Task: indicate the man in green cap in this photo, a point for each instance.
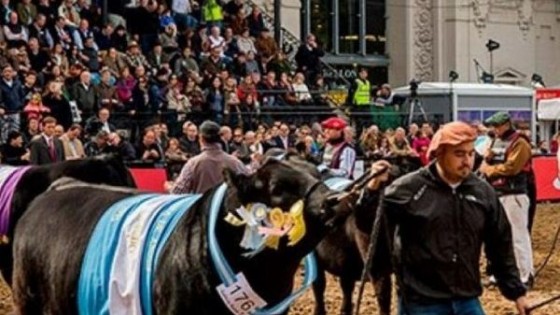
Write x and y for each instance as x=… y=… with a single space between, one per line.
x=507 y=166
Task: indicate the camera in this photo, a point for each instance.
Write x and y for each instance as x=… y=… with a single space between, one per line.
x=414 y=87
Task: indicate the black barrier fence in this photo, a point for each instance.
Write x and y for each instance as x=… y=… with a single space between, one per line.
x=360 y=117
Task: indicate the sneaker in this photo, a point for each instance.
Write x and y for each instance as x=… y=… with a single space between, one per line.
x=529 y=283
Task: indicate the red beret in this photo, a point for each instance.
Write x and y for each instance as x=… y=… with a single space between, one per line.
x=334 y=123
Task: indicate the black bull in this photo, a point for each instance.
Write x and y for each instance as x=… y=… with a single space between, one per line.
x=343 y=250
x=52 y=236
x=106 y=169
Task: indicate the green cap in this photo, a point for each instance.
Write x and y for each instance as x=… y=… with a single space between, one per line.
x=497 y=119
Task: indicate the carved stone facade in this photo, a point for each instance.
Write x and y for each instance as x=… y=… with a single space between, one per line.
x=423 y=40
x=482 y=10
x=428 y=38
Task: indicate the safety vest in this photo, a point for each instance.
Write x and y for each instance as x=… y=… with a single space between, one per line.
x=362 y=94
x=516 y=184
x=212 y=12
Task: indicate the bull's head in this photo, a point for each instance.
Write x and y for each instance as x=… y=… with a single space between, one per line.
x=282 y=205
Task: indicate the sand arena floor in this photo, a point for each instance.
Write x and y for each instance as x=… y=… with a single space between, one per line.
x=546 y=285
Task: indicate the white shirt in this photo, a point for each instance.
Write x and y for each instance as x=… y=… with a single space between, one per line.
x=106 y=127
x=48 y=140
x=181 y=6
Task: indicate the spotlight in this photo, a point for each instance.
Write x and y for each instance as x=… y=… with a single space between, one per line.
x=487 y=77
x=537 y=80
x=453 y=76
x=492 y=45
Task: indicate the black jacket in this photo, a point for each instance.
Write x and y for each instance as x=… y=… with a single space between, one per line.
x=439 y=233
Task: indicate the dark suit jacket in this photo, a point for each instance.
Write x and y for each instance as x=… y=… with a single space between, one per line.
x=280 y=144
x=40 y=151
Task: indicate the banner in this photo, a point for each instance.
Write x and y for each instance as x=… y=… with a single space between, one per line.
x=546 y=173
x=545 y=94
x=150 y=179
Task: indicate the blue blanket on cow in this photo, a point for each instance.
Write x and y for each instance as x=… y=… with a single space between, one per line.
x=117 y=272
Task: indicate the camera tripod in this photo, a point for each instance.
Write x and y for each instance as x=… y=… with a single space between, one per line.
x=415 y=103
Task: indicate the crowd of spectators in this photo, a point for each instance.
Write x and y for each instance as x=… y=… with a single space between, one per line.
x=150 y=63
x=141 y=82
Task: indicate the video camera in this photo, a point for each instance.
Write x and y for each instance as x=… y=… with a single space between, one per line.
x=414 y=87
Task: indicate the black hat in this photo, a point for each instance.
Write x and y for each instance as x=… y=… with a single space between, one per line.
x=210 y=131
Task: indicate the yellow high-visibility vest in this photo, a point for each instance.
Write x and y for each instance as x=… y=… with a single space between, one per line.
x=362 y=94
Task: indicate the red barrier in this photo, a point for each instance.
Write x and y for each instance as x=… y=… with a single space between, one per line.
x=546 y=172
x=150 y=179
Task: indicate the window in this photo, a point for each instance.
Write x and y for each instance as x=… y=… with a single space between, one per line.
x=349 y=24
x=321 y=26
x=375 y=27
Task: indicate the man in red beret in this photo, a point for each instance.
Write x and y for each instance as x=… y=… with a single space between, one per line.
x=338 y=156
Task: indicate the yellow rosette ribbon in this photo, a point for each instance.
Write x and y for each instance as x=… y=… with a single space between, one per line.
x=277 y=219
x=297 y=232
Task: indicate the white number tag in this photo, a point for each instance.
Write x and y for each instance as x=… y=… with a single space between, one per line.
x=239 y=297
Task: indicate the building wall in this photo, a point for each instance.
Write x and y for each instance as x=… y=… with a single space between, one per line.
x=428 y=38
x=291 y=9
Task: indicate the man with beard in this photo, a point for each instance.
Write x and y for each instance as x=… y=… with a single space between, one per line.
x=338 y=156
x=440 y=216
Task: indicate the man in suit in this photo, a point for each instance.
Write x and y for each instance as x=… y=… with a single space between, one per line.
x=46 y=148
x=283 y=140
x=73 y=146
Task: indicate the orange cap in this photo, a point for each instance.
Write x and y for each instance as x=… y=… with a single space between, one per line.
x=453 y=133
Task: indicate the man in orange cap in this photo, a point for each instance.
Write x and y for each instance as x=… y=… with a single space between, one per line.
x=442 y=215
x=338 y=156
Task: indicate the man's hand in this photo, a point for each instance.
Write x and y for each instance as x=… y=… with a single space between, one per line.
x=257 y=157
x=483 y=168
x=375 y=168
x=489 y=154
x=2 y=111
x=522 y=306
x=168 y=186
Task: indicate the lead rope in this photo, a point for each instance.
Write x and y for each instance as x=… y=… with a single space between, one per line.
x=371 y=250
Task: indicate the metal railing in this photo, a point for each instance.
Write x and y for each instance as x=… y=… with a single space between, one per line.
x=291 y=43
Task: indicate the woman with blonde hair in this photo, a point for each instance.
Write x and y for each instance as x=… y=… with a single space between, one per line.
x=301 y=90
x=35 y=108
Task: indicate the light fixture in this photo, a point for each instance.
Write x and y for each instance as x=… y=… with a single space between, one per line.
x=453 y=76
x=537 y=80
x=492 y=45
x=487 y=77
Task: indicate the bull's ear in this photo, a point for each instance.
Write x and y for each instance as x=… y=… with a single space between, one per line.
x=240 y=182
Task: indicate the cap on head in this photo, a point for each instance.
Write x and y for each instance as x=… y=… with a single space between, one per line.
x=210 y=131
x=497 y=119
x=334 y=123
x=453 y=133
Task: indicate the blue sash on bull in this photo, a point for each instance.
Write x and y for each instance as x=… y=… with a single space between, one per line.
x=118 y=267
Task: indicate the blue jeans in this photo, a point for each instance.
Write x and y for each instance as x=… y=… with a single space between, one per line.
x=453 y=307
